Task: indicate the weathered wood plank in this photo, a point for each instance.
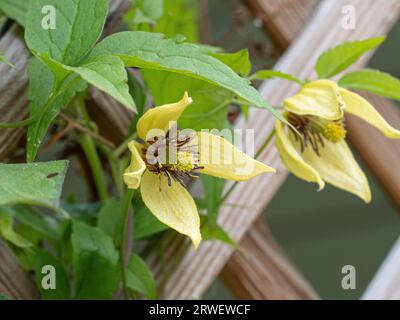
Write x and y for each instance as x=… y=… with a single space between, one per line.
x=262 y=271
x=283 y=20
x=386 y=283
x=14 y=282
x=197 y=270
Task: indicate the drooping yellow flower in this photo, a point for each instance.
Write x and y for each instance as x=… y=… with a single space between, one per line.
x=317 y=152
x=167 y=156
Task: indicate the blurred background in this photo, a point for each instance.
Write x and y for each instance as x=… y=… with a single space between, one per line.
x=320 y=233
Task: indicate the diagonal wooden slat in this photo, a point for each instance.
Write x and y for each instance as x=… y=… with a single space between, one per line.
x=192 y=276
x=283 y=20
x=260 y=271
x=386 y=283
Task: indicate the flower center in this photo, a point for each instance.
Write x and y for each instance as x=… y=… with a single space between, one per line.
x=313 y=131
x=334 y=132
x=173 y=156
x=185 y=162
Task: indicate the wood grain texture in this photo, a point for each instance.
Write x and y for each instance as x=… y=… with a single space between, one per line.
x=262 y=271
x=283 y=20
x=14 y=282
x=386 y=283
x=193 y=275
x=14 y=106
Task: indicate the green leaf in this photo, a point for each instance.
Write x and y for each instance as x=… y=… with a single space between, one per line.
x=270 y=74
x=45 y=225
x=79 y=24
x=62 y=291
x=217 y=233
x=138 y=93
x=238 y=61
x=7 y=231
x=210 y=102
x=139 y=278
x=110 y=219
x=15 y=9
x=147 y=11
x=151 y=51
x=95 y=263
x=213 y=189
x=33 y=183
x=180 y=17
x=3 y=297
x=341 y=57
x=108 y=74
x=374 y=81
x=146 y=224
x=45 y=94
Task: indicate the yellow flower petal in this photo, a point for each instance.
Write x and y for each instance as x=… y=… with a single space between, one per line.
x=159 y=118
x=172 y=205
x=319 y=98
x=337 y=166
x=134 y=172
x=221 y=159
x=292 y=159
x=360 y=107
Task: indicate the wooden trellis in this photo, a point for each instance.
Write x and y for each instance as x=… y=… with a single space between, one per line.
x=262 y=272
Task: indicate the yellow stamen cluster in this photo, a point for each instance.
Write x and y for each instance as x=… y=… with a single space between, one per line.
x=334 y=132
x=185 y=162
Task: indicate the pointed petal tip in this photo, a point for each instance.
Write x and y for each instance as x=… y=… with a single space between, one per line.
x=196 y=240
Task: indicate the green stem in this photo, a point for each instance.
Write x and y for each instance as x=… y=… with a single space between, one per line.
x=91 y=154
x=124 y=256
x=116 y=168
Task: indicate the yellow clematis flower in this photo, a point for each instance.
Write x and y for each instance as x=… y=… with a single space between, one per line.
x=314 y=149
x=167 y=156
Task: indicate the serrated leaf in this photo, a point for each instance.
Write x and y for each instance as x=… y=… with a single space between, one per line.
x=238 y=61
x=33 y=183
x=270 y=74
x=15 y=9
x=341 y=57
x=210 y=102
x=79 y=25
x=139 y=278
x=95 y=263
x=7 y=231
x=374 y=81
x=151 y=51
x=43 y=85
